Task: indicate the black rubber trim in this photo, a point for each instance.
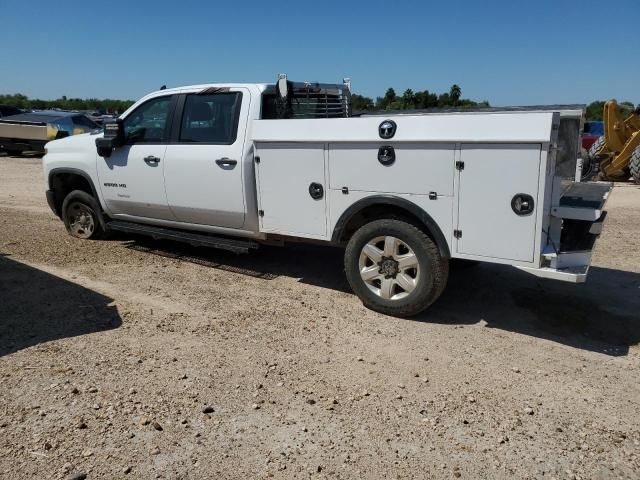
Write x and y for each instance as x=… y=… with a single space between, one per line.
x=51 y=201
x=383 y=200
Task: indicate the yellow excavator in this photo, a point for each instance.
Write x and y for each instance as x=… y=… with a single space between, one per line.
x=616 y=154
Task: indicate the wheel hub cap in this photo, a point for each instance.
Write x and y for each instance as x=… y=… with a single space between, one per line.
x=389 y=267
x=81 y=223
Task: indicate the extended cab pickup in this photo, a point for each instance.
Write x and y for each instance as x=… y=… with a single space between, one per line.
x=233 y=166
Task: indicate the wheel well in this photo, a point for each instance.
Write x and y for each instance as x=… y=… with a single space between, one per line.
x=382 y=210
x=65 y=182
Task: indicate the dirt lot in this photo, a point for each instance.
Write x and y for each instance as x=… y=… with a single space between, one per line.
x=110 y=351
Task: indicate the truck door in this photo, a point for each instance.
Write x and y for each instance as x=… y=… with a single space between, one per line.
x=131 y=179
x=203 y=165
x=498 y=199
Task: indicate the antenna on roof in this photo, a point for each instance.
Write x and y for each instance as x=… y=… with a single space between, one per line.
x=163 y=87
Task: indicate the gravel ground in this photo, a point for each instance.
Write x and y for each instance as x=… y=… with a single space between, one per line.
x=133 y=359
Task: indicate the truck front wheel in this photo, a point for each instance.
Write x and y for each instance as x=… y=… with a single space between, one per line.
x=80 y=213
x=395 y=268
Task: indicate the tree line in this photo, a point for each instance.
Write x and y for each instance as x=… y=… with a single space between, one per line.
x=411 y=100
x=107 y=105
x=595 y=109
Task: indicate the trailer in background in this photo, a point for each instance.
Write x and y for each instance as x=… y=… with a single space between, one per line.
x=31 y=131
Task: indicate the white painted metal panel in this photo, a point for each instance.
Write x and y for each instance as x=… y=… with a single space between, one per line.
x=419 y=168
x=521 y=127
x=284 y=174
x=492 y=176
x=132 y=186
x=202 y=191
x=440 y=210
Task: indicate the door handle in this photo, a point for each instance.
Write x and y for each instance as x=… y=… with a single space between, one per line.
x=522 y=204
x=151 y=159
x=226 y=162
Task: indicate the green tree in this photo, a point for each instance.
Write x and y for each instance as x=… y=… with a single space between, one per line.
x=107 y=105
x=455 y=93
x=359 y=103
x=388 y=100
x=594 y=110
x=408 y=100
x=444 y=100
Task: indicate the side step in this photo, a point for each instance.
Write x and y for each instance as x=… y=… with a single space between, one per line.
x=194 y=239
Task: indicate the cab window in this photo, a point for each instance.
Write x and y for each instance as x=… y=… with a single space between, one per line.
x=211 y=119
x=147 y=123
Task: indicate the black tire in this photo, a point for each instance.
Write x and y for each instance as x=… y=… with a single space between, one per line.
x=81 y=216
x=634 y=165
x=591 y=163
x=429 y=282
x=596 y=150
x=13 y=153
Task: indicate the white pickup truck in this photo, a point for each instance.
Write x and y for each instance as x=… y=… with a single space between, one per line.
x=233 y=166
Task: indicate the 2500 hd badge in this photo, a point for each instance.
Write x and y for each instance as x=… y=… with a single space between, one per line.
x=117 y=185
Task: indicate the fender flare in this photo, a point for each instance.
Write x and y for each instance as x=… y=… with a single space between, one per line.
x=383 y=200
x=87 y=177
x=75 y=171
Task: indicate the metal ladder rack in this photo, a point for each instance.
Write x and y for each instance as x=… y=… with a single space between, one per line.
x=287 y=99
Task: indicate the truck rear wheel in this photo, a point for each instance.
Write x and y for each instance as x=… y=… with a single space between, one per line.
x=81 y=215
x=634 y=165
x=395 y=268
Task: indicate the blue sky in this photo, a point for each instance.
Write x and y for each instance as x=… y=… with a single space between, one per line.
x=508 y=52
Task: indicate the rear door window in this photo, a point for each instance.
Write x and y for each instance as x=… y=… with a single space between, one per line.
x=211 y=119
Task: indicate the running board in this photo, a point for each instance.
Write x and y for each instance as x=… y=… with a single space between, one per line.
x=194 y=239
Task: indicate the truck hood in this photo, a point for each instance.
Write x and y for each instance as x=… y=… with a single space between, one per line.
x=74 y=143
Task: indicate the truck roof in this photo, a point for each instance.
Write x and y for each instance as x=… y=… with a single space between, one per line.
x=261 y=86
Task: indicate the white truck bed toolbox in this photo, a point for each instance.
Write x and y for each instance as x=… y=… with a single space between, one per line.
x=581 y=213
x=583 y=201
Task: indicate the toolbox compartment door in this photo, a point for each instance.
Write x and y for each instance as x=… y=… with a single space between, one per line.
x=416 y=168
x=292 y=189
x=491 y=179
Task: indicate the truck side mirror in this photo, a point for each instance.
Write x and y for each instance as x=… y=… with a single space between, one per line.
x=113 y=138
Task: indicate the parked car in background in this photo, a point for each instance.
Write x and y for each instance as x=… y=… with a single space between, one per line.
x=100 y=118
x=591 y=133
x=31 y=131
x=8 y=110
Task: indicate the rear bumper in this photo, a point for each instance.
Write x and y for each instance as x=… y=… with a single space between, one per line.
x=580 y=214
x=569 y=274
x=51 y=201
